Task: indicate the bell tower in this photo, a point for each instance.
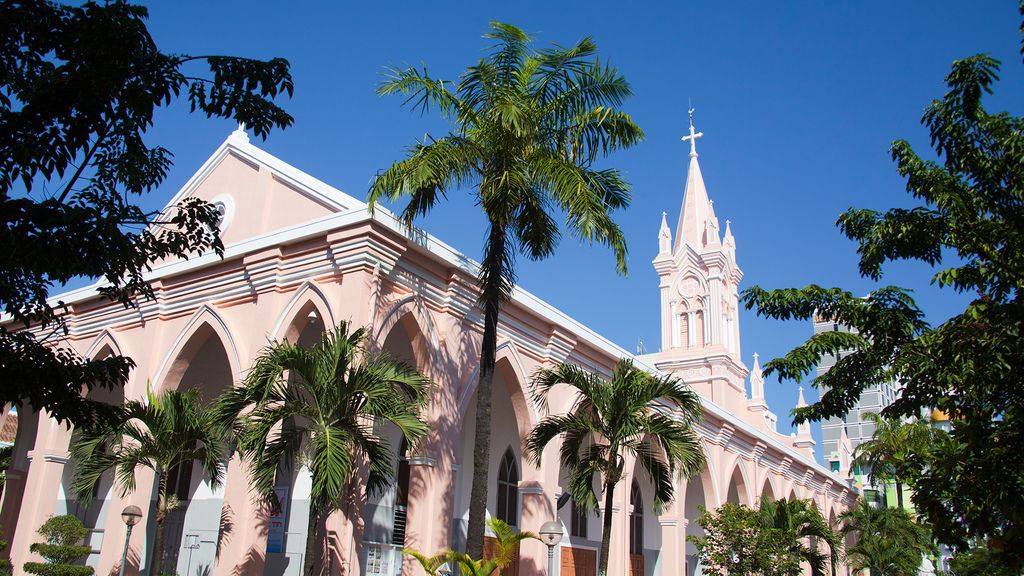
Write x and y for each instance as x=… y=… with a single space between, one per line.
x=699 y=285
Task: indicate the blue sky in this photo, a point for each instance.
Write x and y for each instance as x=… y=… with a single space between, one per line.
x=799 y=103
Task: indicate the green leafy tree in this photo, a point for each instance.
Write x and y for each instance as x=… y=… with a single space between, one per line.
x=888 y=540
x=650 y=418
x=972 y=207
x=506 y=547
x=6 y=453
x=79 y=87
x=527 y=126
x=328 y=401
x=5 y=564
x=62 y=548
x=801 y=527
x=977 y=562
x=896 y=450
x=169 y=430
x=738 y=542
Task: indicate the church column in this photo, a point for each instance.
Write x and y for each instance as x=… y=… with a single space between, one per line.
x=242 y=549
x=715 y=308
x=691 y=332
x=115 y=531
x=675 y=324
x=673 y=542
x=666 y=319
x=45 y=470
x=684 y=523
x=536 y=510
x=429 y=495
x=707 y=322
x=618 y=555
x=46 y=462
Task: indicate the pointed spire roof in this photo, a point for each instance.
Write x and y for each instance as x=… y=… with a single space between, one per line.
x=664 y=236
x=756 y=380
x=803 y=430
x=696 y=209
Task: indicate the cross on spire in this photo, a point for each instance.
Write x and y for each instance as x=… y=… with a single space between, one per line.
x=692 y=138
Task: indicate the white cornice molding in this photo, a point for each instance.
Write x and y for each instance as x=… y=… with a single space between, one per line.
x=356 y=214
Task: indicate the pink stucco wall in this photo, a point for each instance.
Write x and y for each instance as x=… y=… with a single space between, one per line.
x=299 y=251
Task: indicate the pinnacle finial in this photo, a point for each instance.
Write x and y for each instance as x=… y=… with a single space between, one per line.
x=692 y=138
x=240 y=134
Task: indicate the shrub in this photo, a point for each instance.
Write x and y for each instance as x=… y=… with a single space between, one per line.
x=61 y=549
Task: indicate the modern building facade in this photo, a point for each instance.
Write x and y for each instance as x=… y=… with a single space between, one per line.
x=301 y=256
x=840 y=437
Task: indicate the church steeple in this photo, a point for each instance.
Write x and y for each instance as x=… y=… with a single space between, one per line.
x=696 y=213
x=699 y=283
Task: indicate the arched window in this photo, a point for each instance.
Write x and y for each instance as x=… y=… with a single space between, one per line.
x=636 y=520
x=508 y=490
x=684 y=329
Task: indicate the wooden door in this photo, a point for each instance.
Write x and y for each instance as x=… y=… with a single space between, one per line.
x=491 y=550
x=578 y=562
x=636 y=565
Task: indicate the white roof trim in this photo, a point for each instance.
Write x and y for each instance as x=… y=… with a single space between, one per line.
x=355 y=212
x=290 y=175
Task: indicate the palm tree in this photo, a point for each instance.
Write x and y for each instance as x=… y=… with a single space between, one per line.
x=506 y=546
x=646 y=416
x=800 y=519
x=329 y=399
x=526 y=128
x=889 y=541
x=893 y=449
x=169 y=431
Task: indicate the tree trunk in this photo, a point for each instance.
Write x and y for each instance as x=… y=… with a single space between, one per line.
x=156 y=563
x=606 y=529
x=899 y=495
x=494 y=263
x=309 y=562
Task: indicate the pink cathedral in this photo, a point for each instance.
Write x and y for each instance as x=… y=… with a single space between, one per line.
x=301 y=256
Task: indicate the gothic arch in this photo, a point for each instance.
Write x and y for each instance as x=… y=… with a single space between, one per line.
x=507 y=489
x=185 y=346
x=105 y=338
x=411 y=309
x=306 y=299
x=94 y=517
x=102 y=346
x=768 y=488
x=738 y=479
x=709 y=474
x=508 y=362
x=416 y=328
x=204 y=357
x=701 y=490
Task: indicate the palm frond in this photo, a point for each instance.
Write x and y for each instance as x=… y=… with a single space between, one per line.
x=326 y=405
x=171 y=428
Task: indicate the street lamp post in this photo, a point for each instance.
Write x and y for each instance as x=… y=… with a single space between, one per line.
x=131 y=515
x=551 y=534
